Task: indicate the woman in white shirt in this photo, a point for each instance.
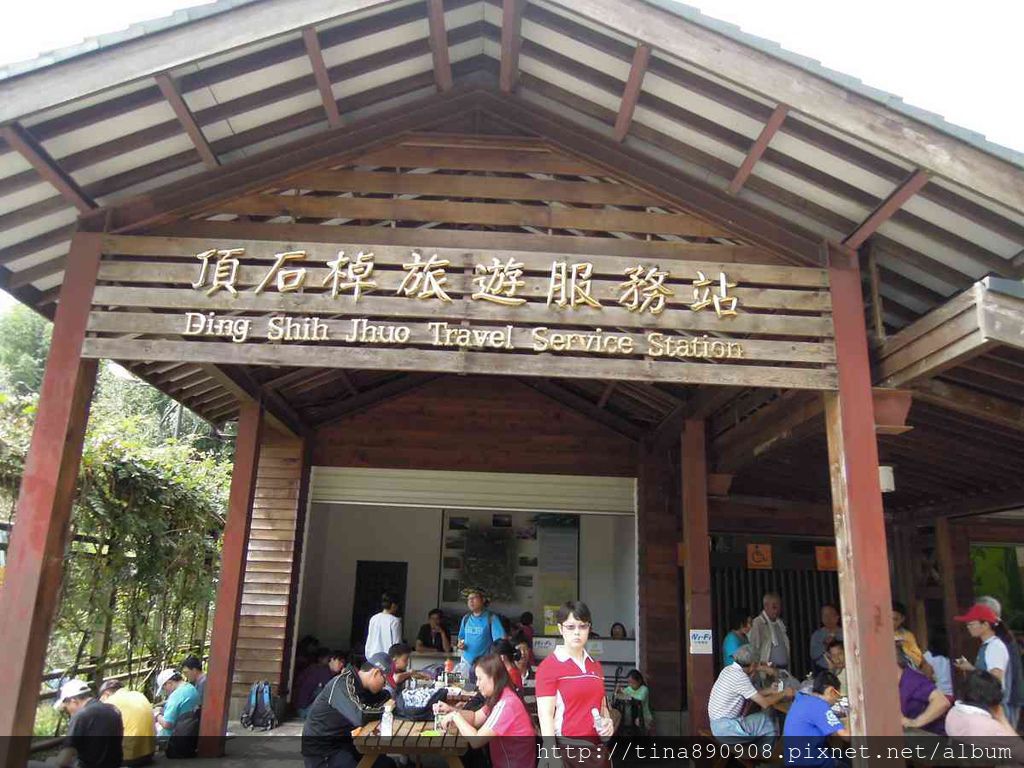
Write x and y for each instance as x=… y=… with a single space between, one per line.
x=385 y=629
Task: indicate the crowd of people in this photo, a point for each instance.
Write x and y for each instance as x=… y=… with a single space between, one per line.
x=567 y=687
x=757 y=697
x=115 y=726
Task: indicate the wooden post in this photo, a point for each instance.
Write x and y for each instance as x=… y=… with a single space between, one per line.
x=857 y=509
x=217 y=697
x=28 y=599
x=953 y=551
x=700 y=668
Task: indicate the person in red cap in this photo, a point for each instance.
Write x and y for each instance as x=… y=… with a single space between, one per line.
x=993 y=655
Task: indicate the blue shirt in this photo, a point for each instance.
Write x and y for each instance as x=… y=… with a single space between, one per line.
x=473 y=631
x=729 y=646
x=182 y=700
x=809 y=723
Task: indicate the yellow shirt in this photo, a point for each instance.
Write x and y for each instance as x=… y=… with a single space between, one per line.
x=137 y=716
x=910 y=647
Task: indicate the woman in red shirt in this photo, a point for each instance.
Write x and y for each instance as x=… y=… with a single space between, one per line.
x=503 y=715
x=570 y=684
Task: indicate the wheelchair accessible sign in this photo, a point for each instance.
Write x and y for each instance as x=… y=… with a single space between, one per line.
x=700 y=642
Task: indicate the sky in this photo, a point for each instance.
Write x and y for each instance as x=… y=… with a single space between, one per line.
x=959 y=60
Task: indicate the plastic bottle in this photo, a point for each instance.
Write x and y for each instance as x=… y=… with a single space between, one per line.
x=387 y=723
x=598 y=720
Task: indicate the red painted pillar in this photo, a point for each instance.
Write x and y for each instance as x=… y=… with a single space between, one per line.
x=28 y=599
x=217 y=696
x=700 y=668
x=857 y=510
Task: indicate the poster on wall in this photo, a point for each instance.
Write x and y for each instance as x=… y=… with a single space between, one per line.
x=759 y=556
x=701 y=642
x=826 y=558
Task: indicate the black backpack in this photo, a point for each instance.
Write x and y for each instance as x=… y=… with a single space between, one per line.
x=184 y=739
x=259 y=713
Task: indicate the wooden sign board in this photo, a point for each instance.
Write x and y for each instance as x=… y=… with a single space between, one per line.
x=759 y=557
x=367 y=306
x=826 y=558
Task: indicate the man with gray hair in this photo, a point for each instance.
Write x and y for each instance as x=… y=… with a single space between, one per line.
x=992 y=603
x=768 y=635
x=731 y=691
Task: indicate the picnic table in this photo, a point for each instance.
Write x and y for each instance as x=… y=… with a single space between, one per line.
x=407 y=739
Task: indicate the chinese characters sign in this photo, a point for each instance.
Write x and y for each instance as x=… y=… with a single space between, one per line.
x=391 y=307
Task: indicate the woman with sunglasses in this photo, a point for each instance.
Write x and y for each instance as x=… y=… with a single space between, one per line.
x=570 y=686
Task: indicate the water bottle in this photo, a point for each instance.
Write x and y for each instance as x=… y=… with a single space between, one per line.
x=387 y=723
x=598 y=720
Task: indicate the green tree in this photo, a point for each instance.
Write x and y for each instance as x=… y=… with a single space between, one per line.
x=24 y=343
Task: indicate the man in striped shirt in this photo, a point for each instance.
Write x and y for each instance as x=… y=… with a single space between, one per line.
x=731 y=692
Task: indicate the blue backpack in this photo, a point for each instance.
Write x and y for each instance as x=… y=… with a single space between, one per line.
x=259 y=713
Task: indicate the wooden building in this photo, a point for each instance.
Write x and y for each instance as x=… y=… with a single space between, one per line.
x=601 y=239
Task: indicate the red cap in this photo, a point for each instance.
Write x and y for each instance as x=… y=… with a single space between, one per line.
x=979 y=613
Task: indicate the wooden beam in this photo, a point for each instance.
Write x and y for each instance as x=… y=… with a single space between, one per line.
x=971 y=403
x=371 y=397
x=631 y=93
x=29 y=598
x=187 y=120
x=700 y=668
x=886 y=209
x=22 y=142
x=791 y=417
x=857 y=508
x=970 y=506
x=439 y=45
x=607 y=393
x=240 y=385
x=511 y=41
x=323 y=80
x=877 y=310
x=758 y=148
x=582 y=405
x=953 y=555
x=235 y=543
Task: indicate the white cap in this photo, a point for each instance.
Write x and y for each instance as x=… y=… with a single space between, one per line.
x=164 y=676
x=69 y=690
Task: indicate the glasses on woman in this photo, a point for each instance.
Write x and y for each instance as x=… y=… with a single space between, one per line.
x=582 y=627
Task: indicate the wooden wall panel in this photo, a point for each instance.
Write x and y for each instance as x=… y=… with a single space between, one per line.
x=261 y=650
x=475 y=424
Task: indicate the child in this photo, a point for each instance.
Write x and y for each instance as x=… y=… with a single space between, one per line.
x=636 y=688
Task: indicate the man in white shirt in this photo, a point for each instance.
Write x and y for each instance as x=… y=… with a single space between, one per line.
x=731 y=692
x=768 y=636
x=385 y=628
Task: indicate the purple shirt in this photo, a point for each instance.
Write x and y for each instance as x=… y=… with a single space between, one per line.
x=915 y=689
x=313 y=678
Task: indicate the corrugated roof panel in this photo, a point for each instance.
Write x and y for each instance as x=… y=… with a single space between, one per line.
x=903 y=299
x=257 y=117
x=38 y=257
x=379 y=41
x=938 y=251
x=38 y=227
x=797 y=217
x=232 y=55
x=694 y=138
x=909 y=271
x=12 y=163
x=353 y=17
x=576 y=50
x=701 y=105
x=284 y=138
x=51 y=281
x=834 y=166
x=815 y=194
x=108 y=130
x=25 y=197
x=492 y=14
x=567 y=82
x=262 y=78
x=856 y=142
x=746 y=93
x=965 y=227
x=154 y=183
x=1001 y=210
x=83 y=103
x=466 y=50
x=383 y=76
x=387 y=104
x=129 y=160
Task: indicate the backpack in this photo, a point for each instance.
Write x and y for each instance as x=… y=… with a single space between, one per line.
x=259 y=713
x=418 y=704
x=184 y=739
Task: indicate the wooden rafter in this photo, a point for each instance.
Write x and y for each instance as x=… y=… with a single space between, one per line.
x=758 y=148
x=571 y=400
x=511 y=41
x=323 y=80
x=885 y=210
x=631 y=93
x=972 y=403
x=187 y=119
x=969 y=506
x=371 y=397
x=21 y=141
x=439 y=45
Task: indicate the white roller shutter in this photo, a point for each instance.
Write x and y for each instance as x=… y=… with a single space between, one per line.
x=474 y=490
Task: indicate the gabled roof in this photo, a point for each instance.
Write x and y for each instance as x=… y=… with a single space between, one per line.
x=104 y=125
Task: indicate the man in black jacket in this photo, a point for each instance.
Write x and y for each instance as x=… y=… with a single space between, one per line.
x=346 y=702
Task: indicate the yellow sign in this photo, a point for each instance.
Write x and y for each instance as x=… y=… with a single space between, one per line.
x=826 y=558
x=759 y=556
